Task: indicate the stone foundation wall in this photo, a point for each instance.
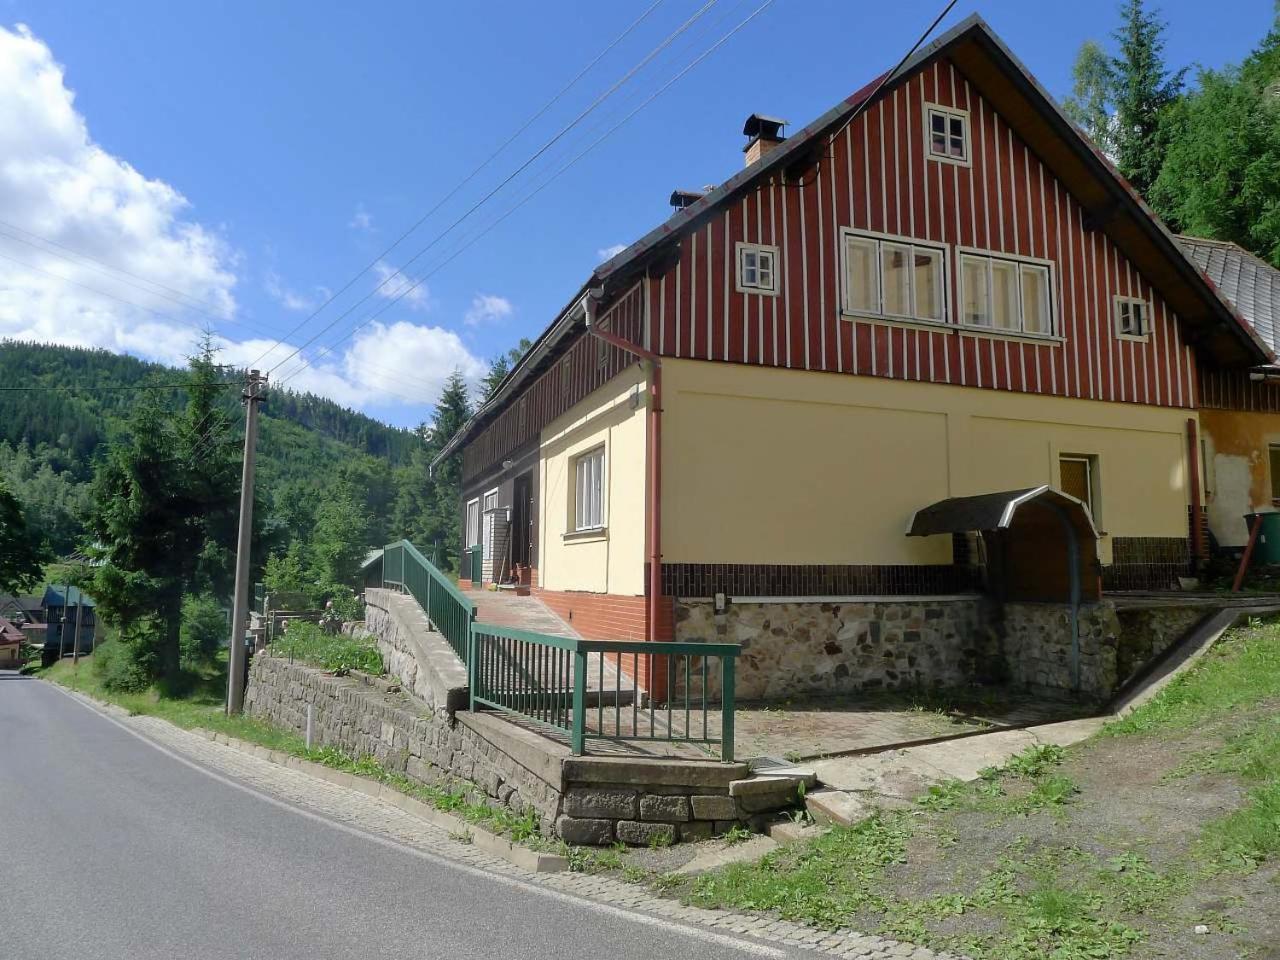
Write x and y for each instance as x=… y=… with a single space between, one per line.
x=365 y=716
x=840 y=646
x=1036 y=646
x=1147 y=632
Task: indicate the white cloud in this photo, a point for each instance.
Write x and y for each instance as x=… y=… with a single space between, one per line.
x=362 y=219
x=57 y=185
x=608 y=253
x=394 y=285
x=485 y=307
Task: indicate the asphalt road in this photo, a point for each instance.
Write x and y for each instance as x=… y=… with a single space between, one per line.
x=111 y=849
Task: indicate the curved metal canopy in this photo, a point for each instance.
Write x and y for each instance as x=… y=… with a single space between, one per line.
x=994 y=511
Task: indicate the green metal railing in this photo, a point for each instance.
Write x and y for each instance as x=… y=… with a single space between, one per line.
x=449 y=611
x=548 y=680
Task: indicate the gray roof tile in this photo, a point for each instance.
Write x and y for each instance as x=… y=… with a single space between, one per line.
x=1251 y=284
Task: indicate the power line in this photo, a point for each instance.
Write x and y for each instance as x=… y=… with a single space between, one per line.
x=193 y=304
x=467 y=179
x=520 y=169
x=476 y=237
x=80 y=388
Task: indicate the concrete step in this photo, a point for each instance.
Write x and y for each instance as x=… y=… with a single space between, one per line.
x=773 y=785
x=839 y=807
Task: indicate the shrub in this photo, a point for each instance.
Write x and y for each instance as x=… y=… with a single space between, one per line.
x=204 y=630
x=124 y=667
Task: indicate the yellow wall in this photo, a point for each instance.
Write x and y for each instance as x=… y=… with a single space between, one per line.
x=762 y=465
x=614 y=562
x=1237 y=469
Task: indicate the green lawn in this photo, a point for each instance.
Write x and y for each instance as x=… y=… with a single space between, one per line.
x=1119 y=847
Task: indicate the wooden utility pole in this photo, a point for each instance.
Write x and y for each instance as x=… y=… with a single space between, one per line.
x=253 y=395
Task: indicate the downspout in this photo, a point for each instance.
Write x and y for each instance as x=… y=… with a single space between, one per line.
x=654 y=505
x=1073 y=558
x=1193 y=465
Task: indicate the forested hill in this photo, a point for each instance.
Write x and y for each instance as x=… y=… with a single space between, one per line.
x=84 y=401
x=52 y=437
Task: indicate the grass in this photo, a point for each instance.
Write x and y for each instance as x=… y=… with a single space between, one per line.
x=204 y=707
x=1020 y=865
x=337 y=653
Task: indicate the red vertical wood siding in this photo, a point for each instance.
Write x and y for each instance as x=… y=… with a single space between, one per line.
x=550 y=395
x=874 y=176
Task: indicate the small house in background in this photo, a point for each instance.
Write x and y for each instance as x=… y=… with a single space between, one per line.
x=68 y=612
x=21 y=609
x=11 y=639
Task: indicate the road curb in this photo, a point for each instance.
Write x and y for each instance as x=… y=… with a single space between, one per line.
x=532 y=860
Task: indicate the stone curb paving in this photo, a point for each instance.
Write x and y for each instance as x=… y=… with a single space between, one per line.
x=368 y=811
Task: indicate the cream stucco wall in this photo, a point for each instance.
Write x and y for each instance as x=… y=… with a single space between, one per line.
x=612 y=562
x=763 y=465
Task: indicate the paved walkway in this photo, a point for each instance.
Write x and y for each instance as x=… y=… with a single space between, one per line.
x=381 y=822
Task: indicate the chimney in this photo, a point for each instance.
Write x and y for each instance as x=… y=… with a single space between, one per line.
x=765 y=133
x=686 y=198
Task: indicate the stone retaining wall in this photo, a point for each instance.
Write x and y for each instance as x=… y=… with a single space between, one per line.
x=583 y=800
x=839 y=646
x=1036 y=646
x=366 y=716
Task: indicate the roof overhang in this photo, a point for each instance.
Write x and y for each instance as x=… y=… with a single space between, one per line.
x=995 y=511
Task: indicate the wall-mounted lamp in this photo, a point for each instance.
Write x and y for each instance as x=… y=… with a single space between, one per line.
x=635 y=398
x=721 y=602
x=506 y=464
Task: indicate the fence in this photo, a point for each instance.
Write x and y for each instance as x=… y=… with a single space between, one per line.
x=449 y=611
x=580 y=687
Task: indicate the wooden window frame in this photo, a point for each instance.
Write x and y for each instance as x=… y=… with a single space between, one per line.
x=472 y=542
x=1092 y=464
x=943 y=251
x=1021 y=331
x=773 y=253
x=1117 y=302
x=575 y=530
x=950 y=113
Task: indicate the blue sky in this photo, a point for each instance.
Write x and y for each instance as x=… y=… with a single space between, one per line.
x=242 y=160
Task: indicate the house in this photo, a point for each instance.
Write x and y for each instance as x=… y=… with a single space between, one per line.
x=11 y=640
x=68 y=613
x=937 y=310
x=1240 y=408
x=20 y=608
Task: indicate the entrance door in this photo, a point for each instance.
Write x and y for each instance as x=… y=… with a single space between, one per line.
x=522 y=524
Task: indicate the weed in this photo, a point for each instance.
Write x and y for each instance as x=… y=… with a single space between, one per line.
x=634 y=874
x=1050 y=792
x=737 y=834
x=662 y=839
x=1034 y=761
x=943 y=796
x=337 y=653
x=462 y=836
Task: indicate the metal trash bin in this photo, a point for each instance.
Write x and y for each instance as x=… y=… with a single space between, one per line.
x=1267 y=548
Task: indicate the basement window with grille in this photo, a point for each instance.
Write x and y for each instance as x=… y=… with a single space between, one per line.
x=757 y=268
x=947 y=134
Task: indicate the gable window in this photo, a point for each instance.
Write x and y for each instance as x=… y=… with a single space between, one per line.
x=1133 y=318
x=757 y=268
x=947 y=133
x=893 y=278
x=1006 y=294
x=1078 y=478
x=588 y=491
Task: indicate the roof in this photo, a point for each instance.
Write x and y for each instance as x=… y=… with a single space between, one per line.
x=990 y=511
x=9 y=633
x=53 y=597
x=1249 y=282
x=1005 y=81
x=370 y=558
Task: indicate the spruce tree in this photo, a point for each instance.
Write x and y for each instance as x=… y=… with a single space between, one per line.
x=1143 y=90
x=1093 y=89
x=22 y=552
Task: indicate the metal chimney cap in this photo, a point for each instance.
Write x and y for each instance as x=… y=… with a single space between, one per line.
x=759 y=125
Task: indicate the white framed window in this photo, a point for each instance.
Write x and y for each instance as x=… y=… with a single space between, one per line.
x=1132 y=317
x=946 y=134
x=588 y=491
x=757 y=268
x=473 y=522
x=1006 y=294
x=894 y=277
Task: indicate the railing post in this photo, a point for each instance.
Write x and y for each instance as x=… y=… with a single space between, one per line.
x=726 y=708
x=579 y=735
x=471 y=665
